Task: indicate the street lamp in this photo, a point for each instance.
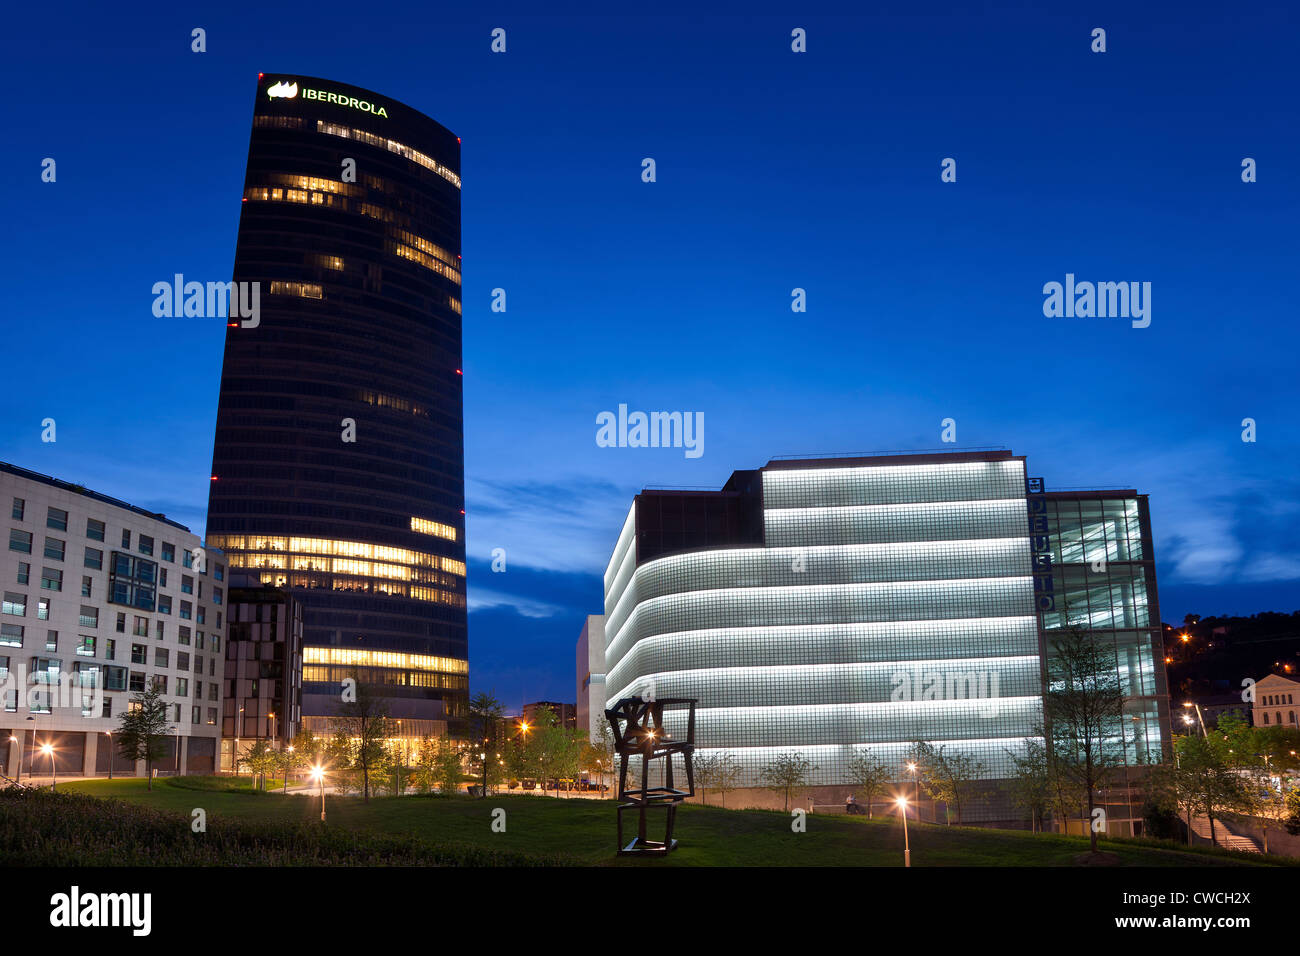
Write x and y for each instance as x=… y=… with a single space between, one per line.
x=1199 y=717
x=318 y=775
x=110 y=753
x=286 y=772
x=907 y=847
x=32 y=770
x=54 y=771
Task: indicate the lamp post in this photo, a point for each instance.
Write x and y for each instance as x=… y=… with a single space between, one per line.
x=319 y=775
x=907 y=847
x=14 y=740
x=109 y=733
x=31 y=771
x=54 y=771
x=286 y=771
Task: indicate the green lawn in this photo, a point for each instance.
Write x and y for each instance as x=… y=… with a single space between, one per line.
x=582 y=830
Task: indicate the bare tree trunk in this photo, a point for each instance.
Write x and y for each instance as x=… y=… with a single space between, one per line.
x=1092 y=830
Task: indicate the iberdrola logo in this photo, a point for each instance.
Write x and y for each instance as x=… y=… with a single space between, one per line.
x=283 y=88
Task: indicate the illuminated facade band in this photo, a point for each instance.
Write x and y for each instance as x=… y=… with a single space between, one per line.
x=338 y=464
x=844 y=606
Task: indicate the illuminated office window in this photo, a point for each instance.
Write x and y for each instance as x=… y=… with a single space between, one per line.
x=392 y=145
x=306 y=290
x=425 y=526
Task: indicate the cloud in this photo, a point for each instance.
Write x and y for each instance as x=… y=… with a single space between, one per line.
x=564 y=525
x=1271 y=567
x=535 y=592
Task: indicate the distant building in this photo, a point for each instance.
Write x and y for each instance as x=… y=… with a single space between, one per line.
x=591 y=675
x=263 y=686
x=101 y=600
x=1277 y=701
x=1212 y=707
x=566 y=715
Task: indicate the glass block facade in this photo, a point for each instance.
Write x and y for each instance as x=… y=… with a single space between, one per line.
x=891 y=599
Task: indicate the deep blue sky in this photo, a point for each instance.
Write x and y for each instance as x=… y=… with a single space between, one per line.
x=775 y=170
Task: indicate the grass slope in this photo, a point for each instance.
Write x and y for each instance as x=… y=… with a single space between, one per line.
x=581 y=832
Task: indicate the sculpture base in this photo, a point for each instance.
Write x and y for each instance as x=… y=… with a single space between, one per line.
x=640 y=847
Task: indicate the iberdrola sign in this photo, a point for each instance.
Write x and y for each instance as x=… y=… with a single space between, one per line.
x=289 y=90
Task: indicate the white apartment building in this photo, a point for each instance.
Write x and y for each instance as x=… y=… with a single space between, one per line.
x=100 y=600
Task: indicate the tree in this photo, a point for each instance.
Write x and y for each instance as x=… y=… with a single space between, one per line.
x=868 y=774
x=1205 y=782
x=707 y=768
x=1263 y=757
x=424 y=775
x=143 y=729
x=558 y=751
x=338 y=753
x=308 y=746
x=305 y=749
x=1084 y=711
x=447 y=765
x=604 y=755
x=1292 y=821
x=521 y=756
x=258 y=758
x=729 y=775
x=592 y=758
x=485 y=713
x=1030 y=782
x=1267 y=804
x=945 y=776
x=397 y=766
x=787 y=772
x=364 y=718
x=1064 y=796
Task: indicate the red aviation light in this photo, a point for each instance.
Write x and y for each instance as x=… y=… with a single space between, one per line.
x=214 y=477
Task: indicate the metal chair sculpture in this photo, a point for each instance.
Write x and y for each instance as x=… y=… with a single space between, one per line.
x=639 y=731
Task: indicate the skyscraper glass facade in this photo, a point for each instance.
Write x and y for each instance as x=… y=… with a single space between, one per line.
x=338 y=463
